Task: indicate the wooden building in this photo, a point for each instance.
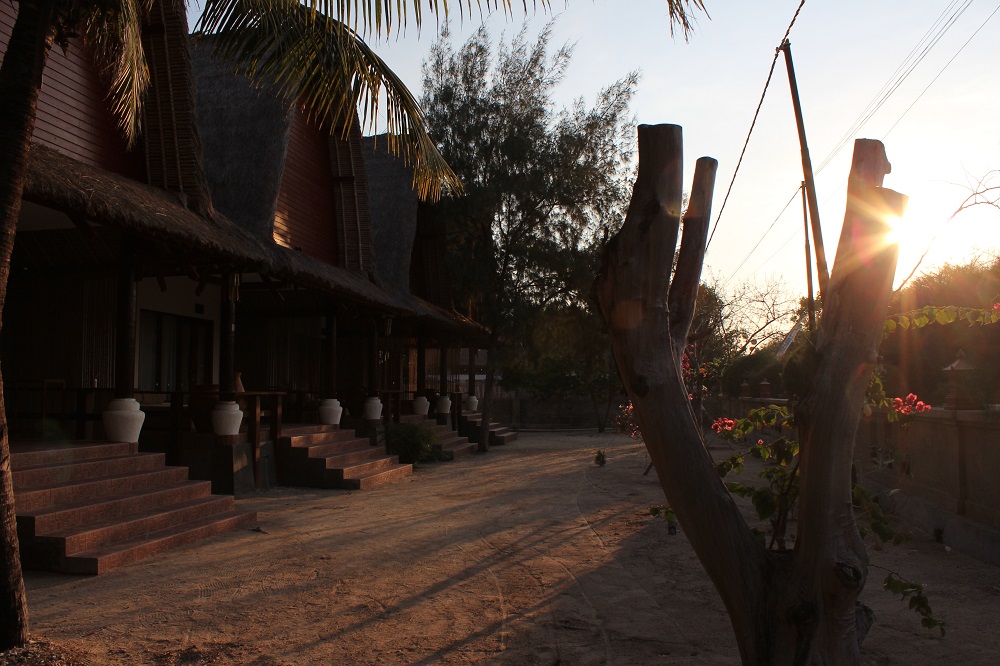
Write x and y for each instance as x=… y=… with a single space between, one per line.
x=157 y=274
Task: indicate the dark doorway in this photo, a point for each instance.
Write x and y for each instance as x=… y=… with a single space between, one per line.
x=175 y=352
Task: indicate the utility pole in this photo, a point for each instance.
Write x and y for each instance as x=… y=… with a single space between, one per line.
x=810 y=301
x=807 y=172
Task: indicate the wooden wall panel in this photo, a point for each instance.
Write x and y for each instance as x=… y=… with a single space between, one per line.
x=353 y=220
x=305 y=212
x=72 y=115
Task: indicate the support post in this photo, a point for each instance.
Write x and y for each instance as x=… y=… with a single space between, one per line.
x=122 y=418
x=472 y=370
x=330 y=365
x=811 y=301
x=125 y=325
x=823 y=273
x=421 y=366
x=227 y=338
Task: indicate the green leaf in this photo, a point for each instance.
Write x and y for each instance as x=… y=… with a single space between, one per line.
x=765 y=503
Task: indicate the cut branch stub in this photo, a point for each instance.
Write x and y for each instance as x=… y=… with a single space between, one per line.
x=634 y=282
x=829 y=554
x=643 y=312
x=687 y=276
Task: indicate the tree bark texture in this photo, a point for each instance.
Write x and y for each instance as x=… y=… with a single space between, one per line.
x=20 y=80
x=785 y=607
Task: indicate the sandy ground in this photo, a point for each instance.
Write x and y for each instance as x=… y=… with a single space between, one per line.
x=530 y=554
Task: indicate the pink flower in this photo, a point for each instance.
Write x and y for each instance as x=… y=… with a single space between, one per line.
x=910 y=405
x=723 y=425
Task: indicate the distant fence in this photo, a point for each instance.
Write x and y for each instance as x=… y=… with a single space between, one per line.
x=570 y=413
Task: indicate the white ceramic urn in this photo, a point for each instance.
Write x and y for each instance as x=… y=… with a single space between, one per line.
x=421 y=405
x=373 y=409
x=330 y=411
x=123 y=420
x=226 y=418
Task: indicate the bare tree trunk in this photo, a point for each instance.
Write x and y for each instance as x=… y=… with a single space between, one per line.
x=785 y=608
x=20 y=80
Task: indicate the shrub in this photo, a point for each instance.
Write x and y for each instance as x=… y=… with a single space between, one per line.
x=410 y=441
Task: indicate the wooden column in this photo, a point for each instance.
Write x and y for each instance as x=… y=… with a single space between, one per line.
x=421 y=366
x=472 y=371
x=330 y=362
x=125 y=325
x=374 y=381
x=227 y=337
x=443 y=372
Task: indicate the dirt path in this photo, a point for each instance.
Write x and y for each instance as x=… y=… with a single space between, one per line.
x=528 y=555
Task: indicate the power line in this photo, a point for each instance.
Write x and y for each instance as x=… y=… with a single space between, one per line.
x=938 y=75
x=928 y=41
x=754 y=248
x=781 y=247
x=941 y=25
x=756 y=113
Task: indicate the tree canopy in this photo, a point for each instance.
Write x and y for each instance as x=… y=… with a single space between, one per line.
x=543 y=187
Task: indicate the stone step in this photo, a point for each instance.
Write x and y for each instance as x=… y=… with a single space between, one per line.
x=502 y=435
x=135 y=526
x=321 y=449
x=100 y=560
x=458 y=447
x=33 y=499
x=37 y=476
x=366 y=468
x=354 y=457
x=363 y=482
x=292 y=429
x=64 y=516
x=33 y=455
x=305 y=439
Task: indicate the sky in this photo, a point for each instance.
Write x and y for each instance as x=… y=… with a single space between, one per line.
x=940 y=125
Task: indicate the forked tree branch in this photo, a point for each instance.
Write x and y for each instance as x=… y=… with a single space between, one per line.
x=633 y=290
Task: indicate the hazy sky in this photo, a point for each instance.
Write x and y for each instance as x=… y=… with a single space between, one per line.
x=845 y=53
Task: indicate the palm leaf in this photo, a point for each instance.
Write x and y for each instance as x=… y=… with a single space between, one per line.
x=113 y=31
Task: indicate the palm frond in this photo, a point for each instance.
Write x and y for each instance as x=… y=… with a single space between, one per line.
x=382 y=17
x=326 y=67
x=113 y=31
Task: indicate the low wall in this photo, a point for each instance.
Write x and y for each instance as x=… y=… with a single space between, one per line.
x=938 y=473
x=943 y=465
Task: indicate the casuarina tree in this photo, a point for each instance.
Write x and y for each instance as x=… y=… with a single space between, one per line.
x=540 y=184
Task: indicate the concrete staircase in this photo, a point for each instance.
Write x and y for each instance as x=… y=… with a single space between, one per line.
x=321 y=456
x=469 y=426
x=88 y=507
x=451 y=444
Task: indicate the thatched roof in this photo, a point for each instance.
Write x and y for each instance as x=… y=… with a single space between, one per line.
x=393 y=204
x=244 y=136
x=79 y=190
